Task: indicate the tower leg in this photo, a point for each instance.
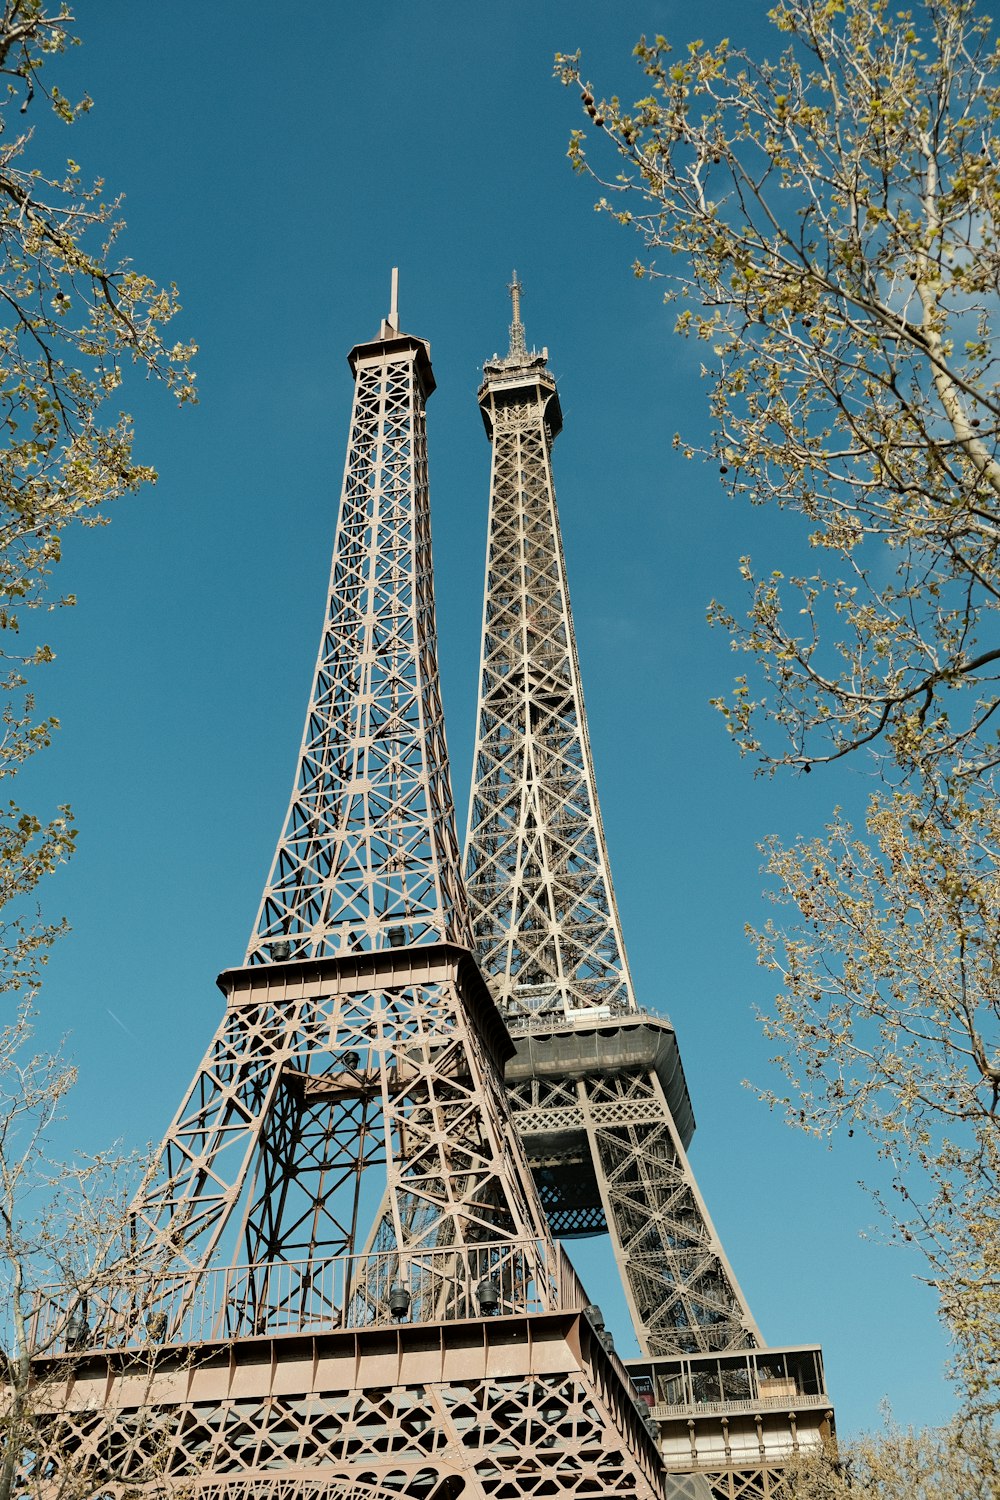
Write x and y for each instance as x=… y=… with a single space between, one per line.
x=681 y=1291
x=602 y=1140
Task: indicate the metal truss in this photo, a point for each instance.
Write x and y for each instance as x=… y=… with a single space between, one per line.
x=543 y=906
x=495 y=1411
x=596 y=1083
x=346 y=1099
x=329 y=1082
x=607 y=1155
x=369 y=842
x=349 y=1285
x=544 y=913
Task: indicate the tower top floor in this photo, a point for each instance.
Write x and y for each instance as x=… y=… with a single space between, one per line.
x=519 y=376
x=391 y=340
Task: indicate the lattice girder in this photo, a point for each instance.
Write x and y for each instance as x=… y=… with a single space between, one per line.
x=542 y=902
x=597 y=1108
x=606 y=1154
x=369 y=842
x=605 y=1140
x=384 y=1061
x=268 y=1158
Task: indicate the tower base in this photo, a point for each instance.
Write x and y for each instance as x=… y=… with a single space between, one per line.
x=490 y=1408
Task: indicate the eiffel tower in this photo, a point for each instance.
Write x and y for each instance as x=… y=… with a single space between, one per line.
x=348 y=1286
x=596 y=1083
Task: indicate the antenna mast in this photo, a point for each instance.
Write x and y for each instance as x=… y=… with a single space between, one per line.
x=518 y=350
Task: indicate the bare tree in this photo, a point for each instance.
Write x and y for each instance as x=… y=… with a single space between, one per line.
x=63 y=1236
x=73 y=319
x=952 y=1463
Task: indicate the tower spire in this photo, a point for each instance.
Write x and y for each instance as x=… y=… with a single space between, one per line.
x=537 y=869
x=390 y=325
x=518 y=350
x=368 y=849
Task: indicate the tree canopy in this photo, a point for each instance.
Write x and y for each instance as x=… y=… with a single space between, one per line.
x=73 y=320
x=827 y=225
x=831 y=224
x=959 y=1462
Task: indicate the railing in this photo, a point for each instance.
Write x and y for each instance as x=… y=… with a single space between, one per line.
x=521 y=1022
x=281 y=1297
x=572 y=1296
x=664 y=1411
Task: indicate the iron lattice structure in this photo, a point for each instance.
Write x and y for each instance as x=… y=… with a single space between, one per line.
x=597 y=1086
x=545 y=919
x=543 y=908
x=349 y=1286
x=369 y=840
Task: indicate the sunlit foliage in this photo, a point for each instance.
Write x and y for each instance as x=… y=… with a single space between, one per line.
x=827 y=226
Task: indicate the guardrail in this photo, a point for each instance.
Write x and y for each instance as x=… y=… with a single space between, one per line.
x=519 y=1022
x=349 y=1291
x=665 y=1411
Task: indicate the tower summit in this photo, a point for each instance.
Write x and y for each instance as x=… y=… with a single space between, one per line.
x=349 y=1288
x=596 y=1083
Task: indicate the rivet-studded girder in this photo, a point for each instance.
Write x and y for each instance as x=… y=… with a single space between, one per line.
x=352 y=1067
x=607 y=1156
x=513 y=1408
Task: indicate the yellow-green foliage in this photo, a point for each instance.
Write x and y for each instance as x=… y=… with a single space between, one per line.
x=828 y=224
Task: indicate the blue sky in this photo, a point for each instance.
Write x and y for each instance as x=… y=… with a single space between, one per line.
x=276 y=166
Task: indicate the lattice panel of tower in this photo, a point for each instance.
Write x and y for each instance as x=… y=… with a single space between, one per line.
x=350 y=1285
x=596 y=1084
x=545 y=918
x=497 y=1410
x=351 y=1098
x=368 y=844
x=543 y=907
x=601 y=1112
